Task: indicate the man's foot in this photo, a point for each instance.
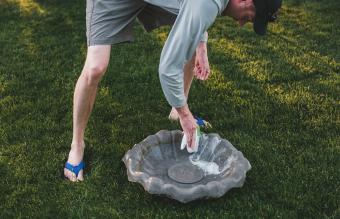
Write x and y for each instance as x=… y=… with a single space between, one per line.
x=173 y=116
x=202 y=68
x=74 y=158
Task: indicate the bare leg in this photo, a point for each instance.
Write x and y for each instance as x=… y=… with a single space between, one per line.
x=188 y=76
x=84 y=96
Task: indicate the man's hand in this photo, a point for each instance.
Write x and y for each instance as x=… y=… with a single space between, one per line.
x=202 y=69
x=188 y=124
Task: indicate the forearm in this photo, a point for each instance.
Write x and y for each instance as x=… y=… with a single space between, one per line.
x=173 y=88
x=181 y=45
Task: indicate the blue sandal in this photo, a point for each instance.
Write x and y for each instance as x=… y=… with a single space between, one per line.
x=75 y=169
x=203 y=123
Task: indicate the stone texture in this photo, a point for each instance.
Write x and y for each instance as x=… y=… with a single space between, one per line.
x=148 y=163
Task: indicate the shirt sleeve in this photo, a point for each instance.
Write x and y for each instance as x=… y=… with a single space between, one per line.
x=204 y=37
x=194 y=18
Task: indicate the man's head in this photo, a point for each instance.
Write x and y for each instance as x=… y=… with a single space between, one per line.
x=259 y=12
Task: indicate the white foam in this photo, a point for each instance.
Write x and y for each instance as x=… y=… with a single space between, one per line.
x=208 y=167
x=208 y=146
x=212 y=168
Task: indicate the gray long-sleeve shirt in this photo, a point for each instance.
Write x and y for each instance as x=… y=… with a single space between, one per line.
x=193 y=19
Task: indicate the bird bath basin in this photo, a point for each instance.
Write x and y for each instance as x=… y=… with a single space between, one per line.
x=162 y=168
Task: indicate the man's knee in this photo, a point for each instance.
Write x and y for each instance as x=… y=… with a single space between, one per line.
x=94 y=73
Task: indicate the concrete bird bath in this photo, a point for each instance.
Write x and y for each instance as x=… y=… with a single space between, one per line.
x=163 y=169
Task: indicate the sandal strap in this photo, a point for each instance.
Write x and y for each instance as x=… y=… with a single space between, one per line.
x=75 y=169
x=203 y=123
x=199 y=121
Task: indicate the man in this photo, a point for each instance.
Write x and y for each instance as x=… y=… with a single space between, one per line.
x=110 y=21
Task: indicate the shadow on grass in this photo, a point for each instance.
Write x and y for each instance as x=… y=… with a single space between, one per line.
x=291 y=176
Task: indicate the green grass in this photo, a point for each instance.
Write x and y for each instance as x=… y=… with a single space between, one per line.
x=275 y=98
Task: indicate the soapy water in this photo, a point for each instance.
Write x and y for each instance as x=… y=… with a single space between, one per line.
x=210 y=167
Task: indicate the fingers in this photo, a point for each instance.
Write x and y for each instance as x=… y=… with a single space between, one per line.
x=201 y=74
x=193 y=146
x=189 y=140
x=184 y=141
x=206 y=75
x=193 y=141
x=202 y=69
x=198 y=72
x=189 y=125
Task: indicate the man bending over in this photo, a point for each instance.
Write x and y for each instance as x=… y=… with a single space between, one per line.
x=184 y=54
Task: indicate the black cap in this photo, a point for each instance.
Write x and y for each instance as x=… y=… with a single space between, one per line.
x=266 y=11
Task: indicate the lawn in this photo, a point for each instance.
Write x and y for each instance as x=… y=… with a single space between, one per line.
x=275 y=98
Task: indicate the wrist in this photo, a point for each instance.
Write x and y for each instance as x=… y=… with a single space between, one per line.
x=202 y=47
x=183 y=111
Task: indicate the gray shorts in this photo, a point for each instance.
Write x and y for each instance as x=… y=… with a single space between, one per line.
x=111 y=21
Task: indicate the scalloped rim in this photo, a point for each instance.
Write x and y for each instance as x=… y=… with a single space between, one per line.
x=155 y=185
